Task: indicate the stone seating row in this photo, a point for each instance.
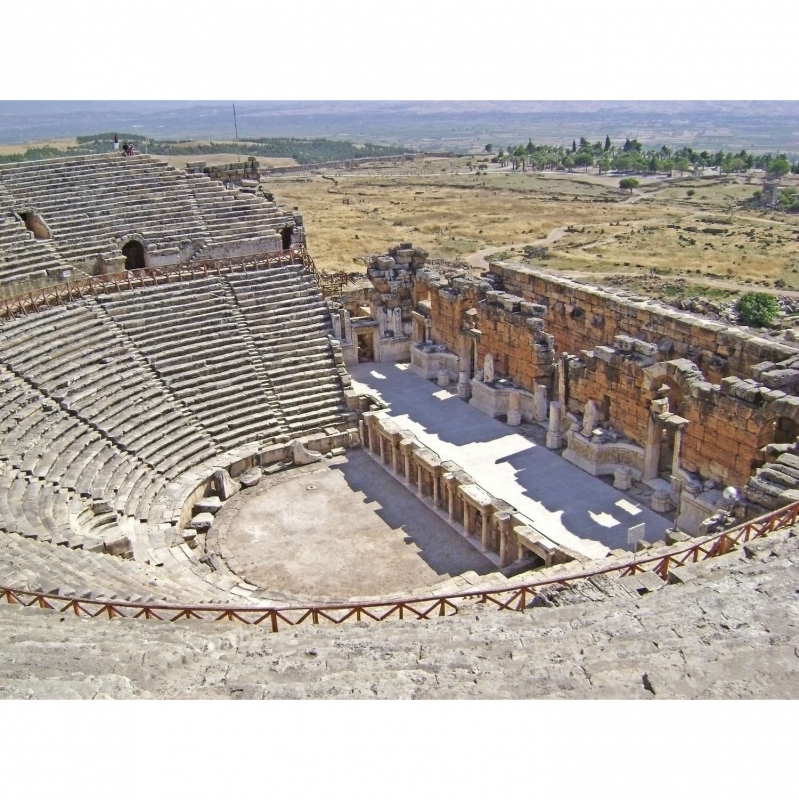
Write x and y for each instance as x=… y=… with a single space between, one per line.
x=82 y=365
x=300 y=364
x=725 y=632
x=39 y=566
x=196 y=347
x=89 y=203
x=94 y=435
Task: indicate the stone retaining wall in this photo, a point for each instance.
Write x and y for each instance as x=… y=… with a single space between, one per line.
x=581 y=317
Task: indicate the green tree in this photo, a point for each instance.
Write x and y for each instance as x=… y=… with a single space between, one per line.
x=489 y=147
x=778 y=168
x=628 y=183
x=574 y=146
x=757 y=309
x=607 y=143
x=584 y=159
x=604 y=164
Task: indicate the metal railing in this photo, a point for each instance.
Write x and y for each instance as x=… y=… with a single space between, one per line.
x=515 y=598
x=33 y=301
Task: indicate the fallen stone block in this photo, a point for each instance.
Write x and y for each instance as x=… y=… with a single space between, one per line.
x=224 y=485
x=208 y=505
x=202 y=522
x=250 y=478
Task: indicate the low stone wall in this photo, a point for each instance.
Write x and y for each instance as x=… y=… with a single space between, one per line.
x=236 y=172
x=180 y=498
x=599 y=458
x=427 y=361
x=351 y=163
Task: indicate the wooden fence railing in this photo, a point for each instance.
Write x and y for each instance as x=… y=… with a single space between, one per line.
x=49 y=296
x=514 y=598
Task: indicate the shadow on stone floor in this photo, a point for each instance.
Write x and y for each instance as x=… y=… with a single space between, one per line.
x=443 y=549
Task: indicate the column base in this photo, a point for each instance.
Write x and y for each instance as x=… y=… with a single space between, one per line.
x=554 y=440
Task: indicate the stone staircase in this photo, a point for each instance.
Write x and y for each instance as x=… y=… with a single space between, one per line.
x=255 y=359
x=724 y=628
x=290 y=324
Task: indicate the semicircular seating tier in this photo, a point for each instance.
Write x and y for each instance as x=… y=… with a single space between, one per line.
x=71 y=217
x=108 y=403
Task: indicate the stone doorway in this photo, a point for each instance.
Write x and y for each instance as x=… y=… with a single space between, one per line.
x=285 y=236
x=666 y=455
x=366 y=349
x=134 y=255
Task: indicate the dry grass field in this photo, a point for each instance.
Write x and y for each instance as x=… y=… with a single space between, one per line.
x=703 y=242
x=13 y=149
x=214 y=159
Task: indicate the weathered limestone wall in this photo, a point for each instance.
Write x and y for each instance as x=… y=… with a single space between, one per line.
x=447 y=308
x=248 y=169
x=512 y=333
x=503 y=325
x=580 y=317
x=728 y=423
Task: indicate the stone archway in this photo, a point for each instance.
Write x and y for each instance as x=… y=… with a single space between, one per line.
x=777 y=423
x=135 y=258
x=667 y=384
x=285 y=237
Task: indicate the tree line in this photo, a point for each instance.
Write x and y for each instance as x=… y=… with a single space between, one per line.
x=303 y=151
x=632 y=157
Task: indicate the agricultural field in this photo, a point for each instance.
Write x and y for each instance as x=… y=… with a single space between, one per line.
x=671 y=236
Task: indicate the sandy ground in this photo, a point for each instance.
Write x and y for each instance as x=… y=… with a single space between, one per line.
x=343 y=530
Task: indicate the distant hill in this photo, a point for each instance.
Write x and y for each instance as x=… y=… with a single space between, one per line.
x=442 y=125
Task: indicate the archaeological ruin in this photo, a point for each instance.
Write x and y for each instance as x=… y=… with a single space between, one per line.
x=198 y=429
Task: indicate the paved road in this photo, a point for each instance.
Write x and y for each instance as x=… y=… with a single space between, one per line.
x=565 y=503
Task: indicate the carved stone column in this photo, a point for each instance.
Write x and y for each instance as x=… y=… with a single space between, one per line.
x=504 y=539
x=465 y=368
x=485 y=532
x=554 y=438
x=514 y=414
x=540 y=409
x=450 y=482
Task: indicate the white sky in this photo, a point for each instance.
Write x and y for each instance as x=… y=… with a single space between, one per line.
x=399 y=49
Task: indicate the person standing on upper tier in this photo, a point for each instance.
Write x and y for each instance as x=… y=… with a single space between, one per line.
x=116 y=143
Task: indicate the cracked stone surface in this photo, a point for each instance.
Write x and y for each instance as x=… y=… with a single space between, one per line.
x=729 y=628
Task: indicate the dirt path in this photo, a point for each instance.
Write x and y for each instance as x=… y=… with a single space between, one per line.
x=478 y=259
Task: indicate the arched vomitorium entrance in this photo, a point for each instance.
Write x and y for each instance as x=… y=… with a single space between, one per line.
x=285 y=235
x=134 y=255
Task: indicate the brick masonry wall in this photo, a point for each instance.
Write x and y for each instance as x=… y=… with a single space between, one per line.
x=521 y=351
x=581 y=317
x=723 y=437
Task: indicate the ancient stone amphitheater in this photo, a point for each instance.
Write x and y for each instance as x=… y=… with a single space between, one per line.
x=166 y=343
